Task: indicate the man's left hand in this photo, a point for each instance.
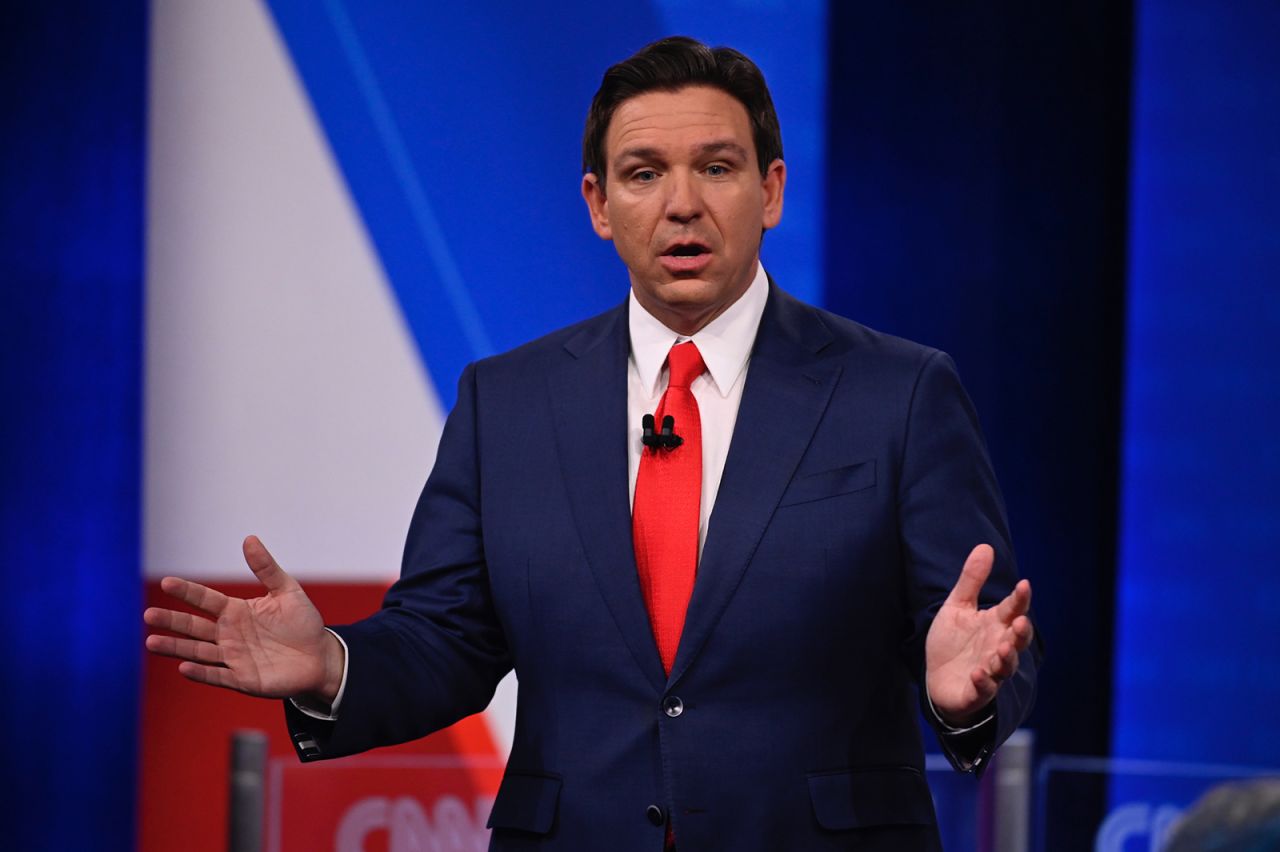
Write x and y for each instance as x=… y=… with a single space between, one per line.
x=970 y=652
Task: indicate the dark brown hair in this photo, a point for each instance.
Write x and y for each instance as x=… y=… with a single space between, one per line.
x=670 y=64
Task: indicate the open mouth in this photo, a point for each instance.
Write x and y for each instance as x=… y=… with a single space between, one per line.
x=687 y=250
x=686 y=260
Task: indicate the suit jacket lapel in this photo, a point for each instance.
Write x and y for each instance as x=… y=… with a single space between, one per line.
x=787 y=391
x=589 y=401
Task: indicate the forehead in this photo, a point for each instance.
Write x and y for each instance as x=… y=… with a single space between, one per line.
x=672 y=120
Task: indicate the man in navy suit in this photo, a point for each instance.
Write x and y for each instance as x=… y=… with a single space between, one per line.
x=722 y=623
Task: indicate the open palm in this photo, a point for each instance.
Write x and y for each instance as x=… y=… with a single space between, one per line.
x=272 y=646
x=969 y=651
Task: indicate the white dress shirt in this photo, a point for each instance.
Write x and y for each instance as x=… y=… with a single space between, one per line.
x=725 y=344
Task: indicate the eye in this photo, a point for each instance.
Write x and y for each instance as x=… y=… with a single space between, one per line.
x=644 y=175
x=717 y=170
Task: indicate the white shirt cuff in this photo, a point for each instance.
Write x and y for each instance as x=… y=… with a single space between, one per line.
x=317 y=710
x=947 y=729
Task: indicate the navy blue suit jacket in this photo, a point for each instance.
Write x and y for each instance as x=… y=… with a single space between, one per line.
x=855 y=486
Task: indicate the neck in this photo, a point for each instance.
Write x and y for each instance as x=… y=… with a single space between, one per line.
x=684 y=323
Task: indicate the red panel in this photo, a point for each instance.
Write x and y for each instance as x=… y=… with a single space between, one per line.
x=186 y=730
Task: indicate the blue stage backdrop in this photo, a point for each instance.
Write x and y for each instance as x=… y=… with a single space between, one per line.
x=1197 y=642
x=71 y=161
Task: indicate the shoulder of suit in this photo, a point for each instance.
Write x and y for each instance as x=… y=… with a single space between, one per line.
x=557 y=344
x=853 y=340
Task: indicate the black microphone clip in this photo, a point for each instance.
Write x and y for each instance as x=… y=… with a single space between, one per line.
x=667 y=439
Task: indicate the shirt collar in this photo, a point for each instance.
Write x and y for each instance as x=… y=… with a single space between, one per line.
x=725 y=342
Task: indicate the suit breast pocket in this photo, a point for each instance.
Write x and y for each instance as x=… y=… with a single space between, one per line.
x=830 y=483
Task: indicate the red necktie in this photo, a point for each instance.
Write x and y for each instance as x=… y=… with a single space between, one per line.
x=667 y=507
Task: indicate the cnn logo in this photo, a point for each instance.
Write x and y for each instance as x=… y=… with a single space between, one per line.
x=450 y=827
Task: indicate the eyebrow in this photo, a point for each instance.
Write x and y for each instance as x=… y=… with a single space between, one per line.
x=648 y=153
x=636 y=154
x=724 y=147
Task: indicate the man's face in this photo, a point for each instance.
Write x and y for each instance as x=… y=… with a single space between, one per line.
x=685 y=203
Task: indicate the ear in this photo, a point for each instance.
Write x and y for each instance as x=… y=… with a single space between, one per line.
x=597 y=205
x=775 y=181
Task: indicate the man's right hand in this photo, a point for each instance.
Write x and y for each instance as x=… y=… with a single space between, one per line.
x=274 y=646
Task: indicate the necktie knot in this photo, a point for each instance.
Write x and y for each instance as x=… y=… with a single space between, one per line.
x=685 y=364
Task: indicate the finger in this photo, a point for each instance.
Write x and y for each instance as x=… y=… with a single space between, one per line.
x=1023 y=632
x=184 y=649
x=180 y=622
x=214 y=675
x=265 y=567
x=1016 y=603
x=201 y=597
x=985 y=684
x=975 y=572
x=1003 y=663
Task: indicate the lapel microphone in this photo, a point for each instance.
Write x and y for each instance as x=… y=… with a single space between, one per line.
x=667 y=439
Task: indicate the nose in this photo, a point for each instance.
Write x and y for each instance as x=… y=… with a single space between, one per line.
x=684 y=201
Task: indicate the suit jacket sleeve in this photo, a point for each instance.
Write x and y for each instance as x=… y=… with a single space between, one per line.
x=948 y=502
x=435 y=651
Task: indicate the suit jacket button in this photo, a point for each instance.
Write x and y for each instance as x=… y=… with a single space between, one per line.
x=655 y=815
x=673 y=706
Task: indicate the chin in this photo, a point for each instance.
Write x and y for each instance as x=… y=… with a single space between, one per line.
x=690 y=289
x=690 y=302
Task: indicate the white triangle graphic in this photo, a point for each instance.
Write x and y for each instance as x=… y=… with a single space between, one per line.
x=284 y=394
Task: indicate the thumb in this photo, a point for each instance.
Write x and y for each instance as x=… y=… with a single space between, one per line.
x=977 y=568
x=265 y=568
